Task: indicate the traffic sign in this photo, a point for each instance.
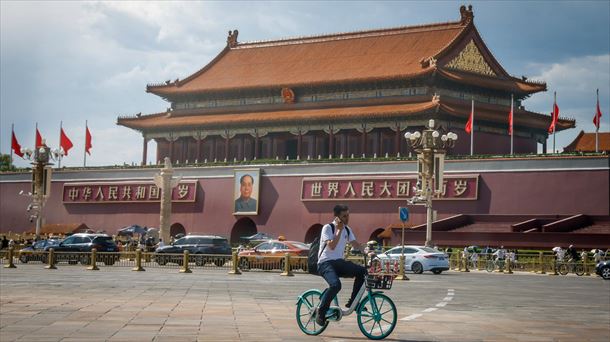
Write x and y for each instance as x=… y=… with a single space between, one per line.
x=404 y=214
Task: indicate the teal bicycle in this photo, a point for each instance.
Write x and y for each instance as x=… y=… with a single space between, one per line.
x=376 y=312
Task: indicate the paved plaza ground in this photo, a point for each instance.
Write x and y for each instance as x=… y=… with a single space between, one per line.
x=116 y=304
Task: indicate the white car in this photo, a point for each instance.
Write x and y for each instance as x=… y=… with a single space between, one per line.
x=418 y=259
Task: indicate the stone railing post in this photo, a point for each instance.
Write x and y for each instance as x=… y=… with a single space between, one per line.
x=51 y=265
x=465 y=258
x=509 y=266
x=93 y=266
x=287 y=272
x=234 y=267
x=401 y=269
x=541 y=262
x=138 y=267
x=585 y=263
x=185 y=263
x=11 y=262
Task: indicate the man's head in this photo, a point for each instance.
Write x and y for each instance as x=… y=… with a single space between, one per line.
x=342 y=212
x=245 y=186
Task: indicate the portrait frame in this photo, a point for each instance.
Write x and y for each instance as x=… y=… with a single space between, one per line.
x=249 y=206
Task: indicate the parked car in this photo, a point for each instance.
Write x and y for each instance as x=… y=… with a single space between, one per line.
x=36 y=252
x=418 y=259
x=269 y=255
x=603 y=269
x=202 y=248
x=78 y=247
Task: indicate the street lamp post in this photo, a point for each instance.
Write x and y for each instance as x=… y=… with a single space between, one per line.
x=41 y=180
x=430 y=147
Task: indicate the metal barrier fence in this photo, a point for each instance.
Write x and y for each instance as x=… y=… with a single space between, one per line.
x=541 y=263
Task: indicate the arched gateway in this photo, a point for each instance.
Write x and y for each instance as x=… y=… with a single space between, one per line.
x=243 y=227
x=313 y=232
x=177 y=228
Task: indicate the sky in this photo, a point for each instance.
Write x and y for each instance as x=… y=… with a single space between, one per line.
x=75 y=61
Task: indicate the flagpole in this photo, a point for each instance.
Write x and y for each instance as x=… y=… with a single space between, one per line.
x=597 y=126
x=472 y=127
x=512 y=119
x=59 y=157
x=35 y=132
x=85 y=152
x=555 y=124
x=12 y=135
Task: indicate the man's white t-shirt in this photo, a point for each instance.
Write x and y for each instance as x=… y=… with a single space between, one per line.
x=337 y=253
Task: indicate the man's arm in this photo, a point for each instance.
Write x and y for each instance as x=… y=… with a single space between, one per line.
x=357 y=245
x=332 y=244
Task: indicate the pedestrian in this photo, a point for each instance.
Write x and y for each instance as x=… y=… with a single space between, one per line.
x=598 y=256
x=331 y=261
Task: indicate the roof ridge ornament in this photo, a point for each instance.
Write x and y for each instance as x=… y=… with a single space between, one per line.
x=232 y=38
x=466 y=14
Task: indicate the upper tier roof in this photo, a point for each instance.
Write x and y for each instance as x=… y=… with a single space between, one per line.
x=384 y=54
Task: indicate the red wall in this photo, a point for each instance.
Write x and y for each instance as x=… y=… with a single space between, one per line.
x=282 y=212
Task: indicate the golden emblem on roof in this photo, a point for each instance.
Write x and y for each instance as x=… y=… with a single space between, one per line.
x=470 y=59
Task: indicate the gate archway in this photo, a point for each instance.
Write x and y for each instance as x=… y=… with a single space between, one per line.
x=313 y=232
x=176 y=228
x=243 y=227
x=374 y=236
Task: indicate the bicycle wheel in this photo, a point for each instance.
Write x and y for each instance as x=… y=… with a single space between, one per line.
x=490 y=266
x=579 y=269
x=306 y=306
x=563 y=269
x=377 y=316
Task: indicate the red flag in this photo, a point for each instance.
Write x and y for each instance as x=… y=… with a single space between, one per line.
x=38 y=139
x=64 y=141
x=15 y=145
x=468 y=127
x=598 y=115
x=87 y=140
x=555 y=117
x=510 y=121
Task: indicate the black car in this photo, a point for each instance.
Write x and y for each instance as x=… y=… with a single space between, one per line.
x=202 y=249
x=603 y=269
x=78 y=247
x=36 y=252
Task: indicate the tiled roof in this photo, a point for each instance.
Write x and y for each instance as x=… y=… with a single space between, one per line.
x=167 y=121
x=375 y=55
x=585 y=142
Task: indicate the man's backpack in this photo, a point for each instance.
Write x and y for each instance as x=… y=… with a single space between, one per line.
x=314 y=252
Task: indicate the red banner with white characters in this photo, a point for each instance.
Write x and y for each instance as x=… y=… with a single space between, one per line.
x=125 y=192
x=384 y=188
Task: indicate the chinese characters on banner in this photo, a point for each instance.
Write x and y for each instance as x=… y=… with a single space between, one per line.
x=125 y=192
x=384 y=188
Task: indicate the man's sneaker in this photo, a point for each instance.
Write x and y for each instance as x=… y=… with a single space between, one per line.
x=320 y=319
x=349 y=303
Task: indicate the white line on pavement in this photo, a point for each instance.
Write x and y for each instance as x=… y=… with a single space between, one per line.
x=449 y=297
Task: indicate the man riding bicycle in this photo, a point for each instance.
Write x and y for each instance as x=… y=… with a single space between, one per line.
x=331 y=262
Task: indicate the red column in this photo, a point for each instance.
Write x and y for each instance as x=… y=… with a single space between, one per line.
x=364 y=141
x=331 y=143
x=199 y=159
x=214 y=147
x=299 y=144
x=397 y=140
x=227 y=145
x=171 y=149
x=256 y=143
x=243 y=147
x=144 y=151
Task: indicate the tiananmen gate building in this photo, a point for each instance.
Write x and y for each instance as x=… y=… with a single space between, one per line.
x=320 y=120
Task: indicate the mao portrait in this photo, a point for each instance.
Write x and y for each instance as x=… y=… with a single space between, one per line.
x=246 y=192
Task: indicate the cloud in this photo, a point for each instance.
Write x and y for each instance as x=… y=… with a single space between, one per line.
x=575 y=80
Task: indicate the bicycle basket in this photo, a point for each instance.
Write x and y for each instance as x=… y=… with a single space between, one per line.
x=379 y=281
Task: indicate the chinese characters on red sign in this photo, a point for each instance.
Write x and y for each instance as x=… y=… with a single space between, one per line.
x=122 y=192
x=384 y=188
